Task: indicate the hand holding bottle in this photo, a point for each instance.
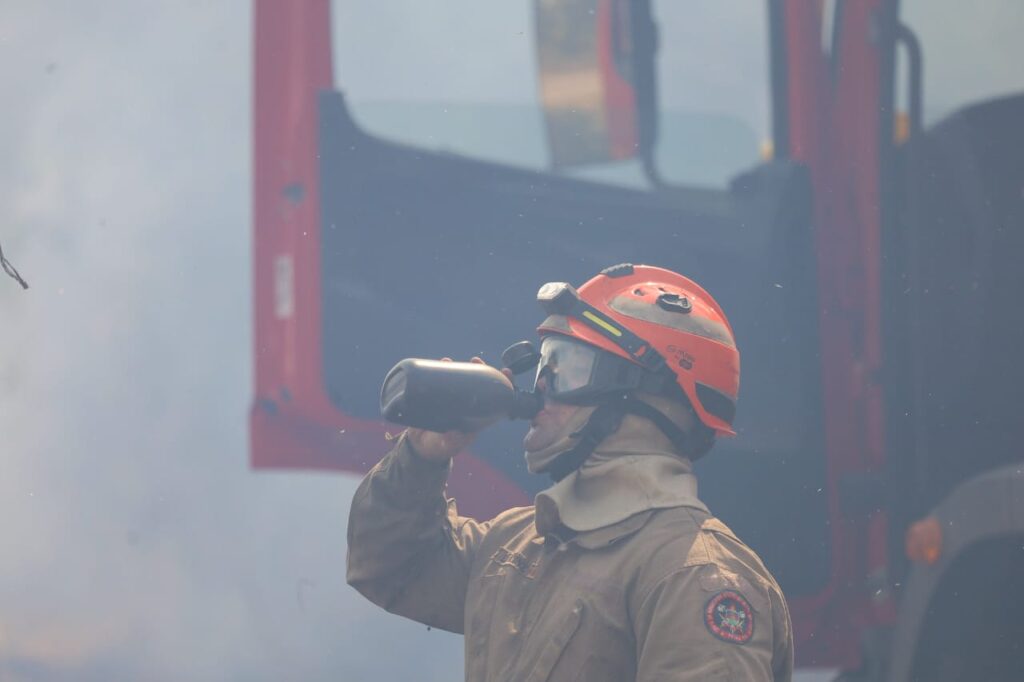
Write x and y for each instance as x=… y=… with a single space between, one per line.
x=439 y=447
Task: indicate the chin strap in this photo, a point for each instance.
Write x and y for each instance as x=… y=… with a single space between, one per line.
x=606 y=420
x=679 y=439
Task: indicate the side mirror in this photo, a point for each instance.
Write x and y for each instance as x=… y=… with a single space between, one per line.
x=597 y=79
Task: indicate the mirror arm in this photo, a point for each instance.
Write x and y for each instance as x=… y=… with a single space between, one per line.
x=645 y=82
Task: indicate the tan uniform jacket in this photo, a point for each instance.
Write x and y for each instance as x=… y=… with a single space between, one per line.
x=665 y=595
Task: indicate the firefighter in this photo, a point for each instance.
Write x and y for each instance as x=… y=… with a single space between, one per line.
x=618 y=571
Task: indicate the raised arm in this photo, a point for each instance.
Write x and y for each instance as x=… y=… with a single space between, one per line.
x=408 y=549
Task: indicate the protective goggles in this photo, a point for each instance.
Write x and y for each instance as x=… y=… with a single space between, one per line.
x=578 y=373
x=559 y=298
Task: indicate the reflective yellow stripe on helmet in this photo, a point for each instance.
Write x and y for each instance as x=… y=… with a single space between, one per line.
x=602 y=323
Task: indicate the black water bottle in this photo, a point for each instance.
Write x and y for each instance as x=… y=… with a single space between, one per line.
x=452 y=396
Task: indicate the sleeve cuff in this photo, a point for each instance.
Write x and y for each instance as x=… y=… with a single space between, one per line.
x=420 y=479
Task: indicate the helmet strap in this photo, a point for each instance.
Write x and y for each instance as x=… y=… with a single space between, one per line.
x=690 y=444
x=607 y=419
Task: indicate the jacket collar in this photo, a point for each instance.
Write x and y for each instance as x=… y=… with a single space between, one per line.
x=615 y=493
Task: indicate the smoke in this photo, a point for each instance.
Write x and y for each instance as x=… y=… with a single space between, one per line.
x=137 y=543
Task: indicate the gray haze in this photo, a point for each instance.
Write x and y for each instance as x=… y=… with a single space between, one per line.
x=136 y=542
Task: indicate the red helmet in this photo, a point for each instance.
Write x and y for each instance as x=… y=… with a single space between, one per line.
x=659 y=320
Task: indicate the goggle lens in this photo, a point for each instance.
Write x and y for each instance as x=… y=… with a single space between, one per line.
x=565 y=366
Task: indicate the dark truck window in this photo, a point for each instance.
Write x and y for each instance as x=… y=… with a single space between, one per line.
x=957 y=247
x=440 y=222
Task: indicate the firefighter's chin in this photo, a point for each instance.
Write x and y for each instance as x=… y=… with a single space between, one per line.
x=547 y=426
x=552 y=433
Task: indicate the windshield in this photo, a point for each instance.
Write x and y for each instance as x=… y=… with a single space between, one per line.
x=465 y=81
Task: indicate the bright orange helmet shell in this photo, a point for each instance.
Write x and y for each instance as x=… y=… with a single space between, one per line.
x=679 y=320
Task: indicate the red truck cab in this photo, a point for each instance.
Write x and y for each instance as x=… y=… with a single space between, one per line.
x=865 y=253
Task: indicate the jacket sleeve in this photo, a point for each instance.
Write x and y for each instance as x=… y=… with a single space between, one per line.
x=408 y=550
x=682 y=635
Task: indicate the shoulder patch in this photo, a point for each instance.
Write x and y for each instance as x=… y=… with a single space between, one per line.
x=728 y=616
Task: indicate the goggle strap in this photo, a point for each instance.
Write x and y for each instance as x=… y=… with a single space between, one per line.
x=658 y=384
x=621 y=336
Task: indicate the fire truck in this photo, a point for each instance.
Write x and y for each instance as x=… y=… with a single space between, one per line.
x=866 y=244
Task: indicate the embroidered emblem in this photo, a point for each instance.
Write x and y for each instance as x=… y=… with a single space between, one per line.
x=728 y=616
x=504 y=557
